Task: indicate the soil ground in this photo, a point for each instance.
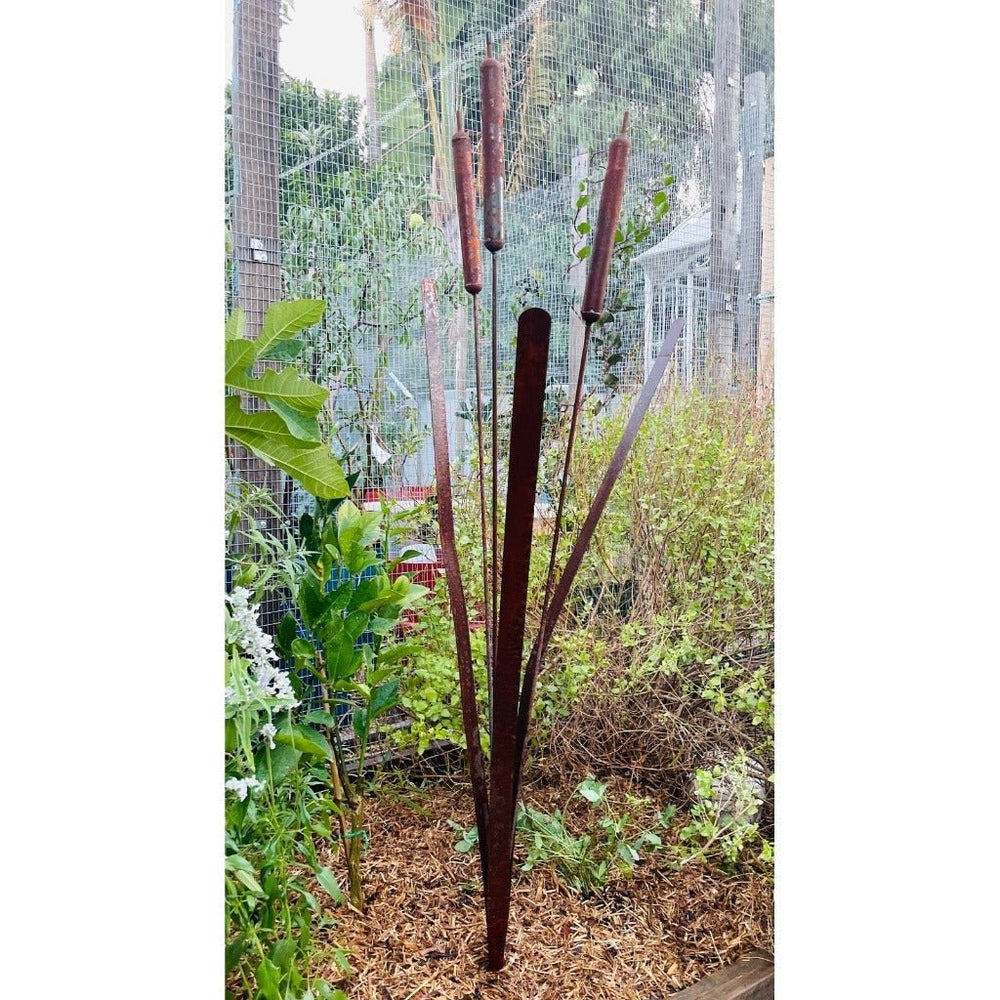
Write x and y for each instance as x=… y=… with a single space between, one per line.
x=422 y=934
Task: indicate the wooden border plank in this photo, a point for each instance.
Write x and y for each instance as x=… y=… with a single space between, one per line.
x=748 y=978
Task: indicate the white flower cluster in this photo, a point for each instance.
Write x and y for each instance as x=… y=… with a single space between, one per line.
x=259 y=647
x=241 y=785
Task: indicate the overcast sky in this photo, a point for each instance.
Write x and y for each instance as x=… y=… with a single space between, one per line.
x=324 y=43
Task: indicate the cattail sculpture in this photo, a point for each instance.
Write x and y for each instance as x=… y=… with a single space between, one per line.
x=512 y=689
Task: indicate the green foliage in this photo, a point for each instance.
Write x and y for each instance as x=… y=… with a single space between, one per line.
x=371 y=327
x=349 y=607
x=274 y=813
x=260 y=560
x=723 y=822
x=319 y=136
x=690 y=525
x=575 y=655
x=601 y=64
x=283 y=430
x=584 y=863
x=664 y=656
x=286 y=768
x=429 y=690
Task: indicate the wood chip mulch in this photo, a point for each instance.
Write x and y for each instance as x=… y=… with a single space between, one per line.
x=422 y=934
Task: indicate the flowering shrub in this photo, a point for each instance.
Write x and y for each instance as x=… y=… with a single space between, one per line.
x=271 y=812
x=256 y=690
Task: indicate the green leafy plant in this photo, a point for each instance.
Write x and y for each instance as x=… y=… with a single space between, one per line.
x=664 y=659
x=586 y=862
x=273 y=814
x=257 y=558
x=724 y=819
x=282 y=430
x=348 y=608
x=429 y=690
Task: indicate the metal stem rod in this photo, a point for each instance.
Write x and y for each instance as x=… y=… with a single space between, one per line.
x=485 y=553
x=494 y=457
x=573 y=421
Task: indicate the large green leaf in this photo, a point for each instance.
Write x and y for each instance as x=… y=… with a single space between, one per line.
x=306 y=740
x=267 y=436
x=240 y=355
x=383 y=698
x=284 y=319
x=299 y=426
x=286 y=386
x=236 y=324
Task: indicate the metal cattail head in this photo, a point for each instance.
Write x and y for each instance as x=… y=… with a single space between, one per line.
x=492 y=98
x=465 y=192
x=612 y=192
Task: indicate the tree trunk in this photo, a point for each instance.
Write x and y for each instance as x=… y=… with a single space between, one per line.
x=256 y=246
x=371 y=85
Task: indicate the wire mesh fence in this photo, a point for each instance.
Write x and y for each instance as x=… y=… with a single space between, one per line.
x=351 y=200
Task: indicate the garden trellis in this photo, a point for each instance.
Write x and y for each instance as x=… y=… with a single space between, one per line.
x=350 y=199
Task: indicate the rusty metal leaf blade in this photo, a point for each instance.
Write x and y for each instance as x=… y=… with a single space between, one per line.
x=527 y=414
x=449 y=554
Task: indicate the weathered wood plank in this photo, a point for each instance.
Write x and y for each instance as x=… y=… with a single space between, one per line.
x=725 y=233
x=748 y=978
x=751 y=232
x=765 y=332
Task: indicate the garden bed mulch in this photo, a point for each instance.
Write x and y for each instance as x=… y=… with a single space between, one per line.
x=423 y=934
